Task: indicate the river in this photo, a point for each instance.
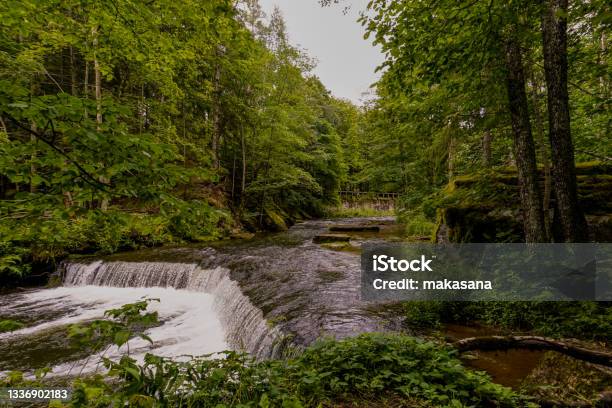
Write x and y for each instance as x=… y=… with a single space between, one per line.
x=268 y=296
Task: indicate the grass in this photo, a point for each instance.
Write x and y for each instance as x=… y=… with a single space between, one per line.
x=364 y=211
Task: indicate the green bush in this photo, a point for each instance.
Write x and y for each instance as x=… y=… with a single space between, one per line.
x=44 y=241
x=362 y=368
x=585 y=320
x=194 y=221
x=370 y=367
x=13 y=261
x=417 y=224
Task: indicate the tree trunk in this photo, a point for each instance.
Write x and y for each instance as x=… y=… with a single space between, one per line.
x=524 y=150
x=86 y=85
x=601 y=58
x=33 y=127
x=32 y=159
x=543 y=156
x=73 y=73
x=554 y=32
x=98 y=91
x=68 y=202
x=215 y=118
x=486 y=149
x=451 y=158
x=233 y=175
x=534 y=343
x=244 y=162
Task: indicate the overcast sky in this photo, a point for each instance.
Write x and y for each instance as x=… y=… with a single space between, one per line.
x=346 y=62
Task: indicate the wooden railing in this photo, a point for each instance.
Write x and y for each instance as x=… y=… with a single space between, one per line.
x=367 y=195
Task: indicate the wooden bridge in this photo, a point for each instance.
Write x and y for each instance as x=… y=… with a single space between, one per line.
x=368 y=199
x=367 y=195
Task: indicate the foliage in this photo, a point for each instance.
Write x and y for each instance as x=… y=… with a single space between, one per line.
x=111 y=109
x=417 y=224
x=584 y=320
x=358 y=211
x=366 y=366
x=442 y=109
x=44 y=243
x=369 y=367
x=10 y=325
x=118 y=326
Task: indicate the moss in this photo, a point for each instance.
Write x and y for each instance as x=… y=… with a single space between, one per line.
x=485 y=206
x=342 y=247
x=10 y=325
x=275 y=220
x=593 y=167
x=564 y=380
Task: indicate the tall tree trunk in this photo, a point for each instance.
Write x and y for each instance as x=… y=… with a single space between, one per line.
x=68 y=201
x=554 y=32
x=244 y=162
x=601 y=58
x=524 y=149
x=215 y=118
x=32 y=159
x=73 y=73
x=98 y=93
x=451 y=157
x=98 y=90
x=542 y=145
x=33 y=127
x=486 y=149
x=86 y=84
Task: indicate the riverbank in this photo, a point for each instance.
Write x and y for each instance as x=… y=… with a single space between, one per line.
x=30 y=250
x=277 y=294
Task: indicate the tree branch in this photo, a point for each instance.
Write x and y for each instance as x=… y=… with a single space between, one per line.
x=85 y=175
x=534 y=343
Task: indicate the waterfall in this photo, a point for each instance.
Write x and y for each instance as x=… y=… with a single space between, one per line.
x=245 y=327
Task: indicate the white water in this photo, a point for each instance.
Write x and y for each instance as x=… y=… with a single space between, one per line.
x=203 y=311
x=190 y=324
x=244 y=325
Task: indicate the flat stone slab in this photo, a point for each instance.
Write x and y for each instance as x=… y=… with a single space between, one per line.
x=327 y=238
x=354 y=228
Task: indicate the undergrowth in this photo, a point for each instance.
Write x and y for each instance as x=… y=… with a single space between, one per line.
x=584 y=320
x=28 y=244
x=364 y=211
x=370 y=367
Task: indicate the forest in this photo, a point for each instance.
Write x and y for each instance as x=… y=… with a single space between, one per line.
x=128 y=124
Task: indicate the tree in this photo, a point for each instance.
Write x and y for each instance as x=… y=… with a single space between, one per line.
x=554 y=35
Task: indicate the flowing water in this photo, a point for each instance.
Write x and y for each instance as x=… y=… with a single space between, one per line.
x=266 y=296
x=190 y=325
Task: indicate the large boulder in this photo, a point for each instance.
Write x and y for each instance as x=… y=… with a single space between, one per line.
x=485 y=207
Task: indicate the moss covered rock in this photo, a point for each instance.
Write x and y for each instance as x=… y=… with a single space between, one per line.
x=485 y=207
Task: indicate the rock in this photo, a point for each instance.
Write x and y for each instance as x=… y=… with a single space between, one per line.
x=327 y=238
x=485 y=207
x=354 y=228
x=242 y=235
x=422 y=238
